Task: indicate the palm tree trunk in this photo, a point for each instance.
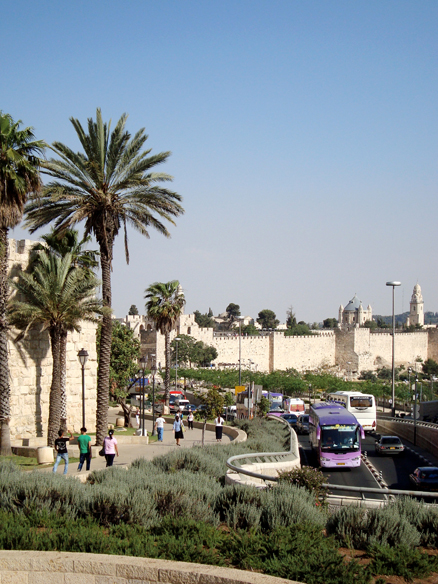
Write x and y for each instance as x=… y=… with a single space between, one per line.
x=63 y=366
x=104 y=352
x=167 y=372
x=55 y=389
x=5 y=389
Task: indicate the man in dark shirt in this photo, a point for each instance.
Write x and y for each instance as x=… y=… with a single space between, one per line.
x=61 y=450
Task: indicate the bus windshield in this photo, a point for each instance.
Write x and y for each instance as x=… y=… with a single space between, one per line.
x=345 y=438
x=357 y=401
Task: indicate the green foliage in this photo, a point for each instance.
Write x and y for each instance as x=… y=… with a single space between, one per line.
x=125 y=352
x=430 y=367
x=268 y=319
x=233 y=311
x=371 y=324
x=133 y=311
x=354 y=528
x=309 y=478
x=213 y=401
x=401 y=560
x=204 y=320
x=298 y=330
x=368 y=376
x=263 y=406
x=250 y=330
x=291 y=321
x=329 y=323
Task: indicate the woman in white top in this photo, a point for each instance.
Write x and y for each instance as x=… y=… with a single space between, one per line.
x=190 y=419
x=219 y=421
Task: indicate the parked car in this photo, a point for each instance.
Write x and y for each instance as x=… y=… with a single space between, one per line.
x=292 y=419
x=389 y=445
x=425 y=478
x=303 y=424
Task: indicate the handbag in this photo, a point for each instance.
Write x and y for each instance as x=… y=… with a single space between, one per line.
x=182 y=428
x=102 y=452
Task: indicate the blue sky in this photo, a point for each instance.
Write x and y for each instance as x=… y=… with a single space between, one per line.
x=303 y=138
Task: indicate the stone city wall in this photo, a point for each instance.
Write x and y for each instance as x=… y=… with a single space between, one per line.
x=30 y=368
x=303 y=352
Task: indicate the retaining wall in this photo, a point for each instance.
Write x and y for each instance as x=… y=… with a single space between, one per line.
x=21 y=567
x=427 y=438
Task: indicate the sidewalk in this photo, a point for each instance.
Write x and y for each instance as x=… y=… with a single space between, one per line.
x=130 y=452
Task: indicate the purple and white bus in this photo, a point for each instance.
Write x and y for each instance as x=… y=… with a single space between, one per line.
x=335 y=436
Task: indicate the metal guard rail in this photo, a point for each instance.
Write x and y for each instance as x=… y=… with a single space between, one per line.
x=284 y=454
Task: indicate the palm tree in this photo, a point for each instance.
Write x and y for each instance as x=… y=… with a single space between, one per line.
x=165 y=303
x=19 y=176
x=84 y=258
x=58 y=297
x=108 y=186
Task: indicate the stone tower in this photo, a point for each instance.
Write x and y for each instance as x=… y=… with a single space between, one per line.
x=416 y=313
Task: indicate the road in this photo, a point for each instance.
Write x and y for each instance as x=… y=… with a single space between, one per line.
x=395 y=469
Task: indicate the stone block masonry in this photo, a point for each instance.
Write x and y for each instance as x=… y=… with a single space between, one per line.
x=30 y=368
x=26 y=567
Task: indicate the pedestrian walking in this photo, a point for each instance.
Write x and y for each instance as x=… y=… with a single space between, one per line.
x=61 y=450
x=84 y=442
x=219 y=422
x=159 y=426
x=110 y=448
x=178 y=428
x=190 y=419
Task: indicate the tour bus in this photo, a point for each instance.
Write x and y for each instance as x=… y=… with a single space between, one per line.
x=294 y=405
x=275 y=400
x=335 y=436
x=361 y=405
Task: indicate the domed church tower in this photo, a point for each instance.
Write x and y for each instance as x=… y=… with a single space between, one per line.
x=416 y=313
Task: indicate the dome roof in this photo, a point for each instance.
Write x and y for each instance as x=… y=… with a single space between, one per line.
x=353 y=304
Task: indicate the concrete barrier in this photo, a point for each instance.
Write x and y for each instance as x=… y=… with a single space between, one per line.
x=427 y=438
x=76 y=568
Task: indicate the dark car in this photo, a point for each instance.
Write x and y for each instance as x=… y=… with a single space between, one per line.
x=389 y=445
x=292 y=419
x=303 y=424
x=425 y=478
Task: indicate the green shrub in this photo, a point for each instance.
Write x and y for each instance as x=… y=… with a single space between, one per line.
x=309 y=478
x=348 y=525
x=287 y=505
x=402 y=561
x=424 y=518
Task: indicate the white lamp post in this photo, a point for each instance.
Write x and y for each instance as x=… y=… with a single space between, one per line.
x=83 y=356
x=393 y=284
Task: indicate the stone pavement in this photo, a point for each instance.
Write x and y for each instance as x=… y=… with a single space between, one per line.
x=130 y=452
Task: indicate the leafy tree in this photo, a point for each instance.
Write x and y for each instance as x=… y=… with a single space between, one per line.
x=382 y=324
x=125 y=353
x=108 y=186
x=233 y=311
x=371 y=324
x=19 y=176
x=368 y=375
x=58 y=297
x=386 y=373
x=263 y=406
x=250 y=330
x=164 y=305
x=329 y=323
x=186 y=344
x=133 y=311
x=268 y=319
x=291 y=321
x=204 y=320
x=430 y=367
x=213 y=401
x=299 y=329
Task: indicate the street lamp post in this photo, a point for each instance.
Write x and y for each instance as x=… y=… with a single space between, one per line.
x=410 y=388
x=176 y=362
x=393 y=284
x=415 y=410
x=240 y=351
x=83 y=356
x=153 y=371
x=143 y=361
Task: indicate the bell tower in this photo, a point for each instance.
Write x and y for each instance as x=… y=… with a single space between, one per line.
x=416 y=313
